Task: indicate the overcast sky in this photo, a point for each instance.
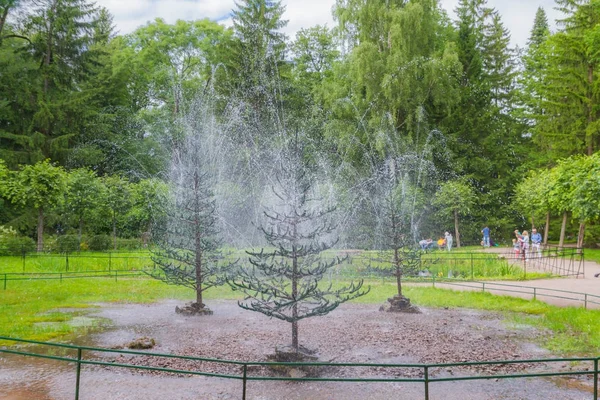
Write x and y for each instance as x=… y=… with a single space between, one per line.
x=517 y=15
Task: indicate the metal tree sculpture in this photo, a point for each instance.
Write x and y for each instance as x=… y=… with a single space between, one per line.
x=187 y=244
x=284 y=283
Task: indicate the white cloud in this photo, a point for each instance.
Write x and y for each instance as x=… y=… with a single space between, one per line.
x=517 y=15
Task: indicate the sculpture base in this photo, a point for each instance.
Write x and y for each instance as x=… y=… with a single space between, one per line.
x=399 y=304
x=193 y=309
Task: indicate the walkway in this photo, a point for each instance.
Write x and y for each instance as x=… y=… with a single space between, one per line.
x=588 y=284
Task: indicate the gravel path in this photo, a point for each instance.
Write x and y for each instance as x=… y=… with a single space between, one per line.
x=352 y=333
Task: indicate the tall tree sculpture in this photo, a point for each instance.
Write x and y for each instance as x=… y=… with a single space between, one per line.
x=187 y=253
x=284 y=283
x=397 y=203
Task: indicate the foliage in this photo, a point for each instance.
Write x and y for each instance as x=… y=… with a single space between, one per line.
x=569 y=95
x=67 y=243
x=453 y=199
x=129 y=244
x=99 y=243
x=12 y=244
x=37 y=188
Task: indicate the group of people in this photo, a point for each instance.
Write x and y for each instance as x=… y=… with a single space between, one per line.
x=444 y=242
x=521 y=244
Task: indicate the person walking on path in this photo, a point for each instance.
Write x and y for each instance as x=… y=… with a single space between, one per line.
x=486 y=236
x=536 y=241
x=525 y=244
x=448 y=237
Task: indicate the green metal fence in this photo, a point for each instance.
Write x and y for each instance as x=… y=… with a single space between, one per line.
x=584 y=366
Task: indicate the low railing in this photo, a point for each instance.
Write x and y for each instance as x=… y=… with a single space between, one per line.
x=60 y=276
x=585 y=299
x=583 y=366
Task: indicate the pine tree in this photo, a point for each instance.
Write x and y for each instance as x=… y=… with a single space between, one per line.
x=55 y=107
x=570 y=95
x=499 y=62
x=535 y=65
x=258 y=54
x=285 y=283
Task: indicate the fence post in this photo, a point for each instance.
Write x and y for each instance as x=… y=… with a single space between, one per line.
x=534 y=293
x=109 y=261
x=116 y=273
x=4 y=281
x=596 y=379
x=472 y=268
x=67 y=260
x=244 y=382
x=61 y=277
x=78 y=376
x=585 y=301
x=483 y=287
x=426 y=382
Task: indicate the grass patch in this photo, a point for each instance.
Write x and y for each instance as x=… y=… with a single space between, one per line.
x=592 y=255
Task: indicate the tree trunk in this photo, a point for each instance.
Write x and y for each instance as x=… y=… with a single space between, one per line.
x=456 y=233
x=48 y=58
x=581 y=236
x=563 y=228
x=398 y=271
x=547 y=228
x=589 y=137
x=40 y=230
x=198 y=245
x=114 y=232
x=2 y=21
x=198 y=240
x=294 y=296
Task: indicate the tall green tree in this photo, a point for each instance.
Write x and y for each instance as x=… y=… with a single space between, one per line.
x=535 y=65
x=39 y=188
x=261 y=44
x=570 y=95
x=398 y=80
x=115 y=202
x=82 y=197
x=455 y=199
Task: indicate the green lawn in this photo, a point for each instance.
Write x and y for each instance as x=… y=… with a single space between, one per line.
x=592 y=255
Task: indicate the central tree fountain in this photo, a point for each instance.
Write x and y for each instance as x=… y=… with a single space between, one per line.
x=284 y=281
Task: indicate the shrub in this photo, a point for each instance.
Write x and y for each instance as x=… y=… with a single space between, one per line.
x=67 y=243
x=100 y=243
x=15 y=245
x=129 y=244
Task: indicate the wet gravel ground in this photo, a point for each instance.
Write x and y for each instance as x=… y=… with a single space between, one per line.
x=354 y=333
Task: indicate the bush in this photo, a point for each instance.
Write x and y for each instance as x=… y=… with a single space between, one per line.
x=100 y=243
x=129 y=244
x=67 y=243
x=15 y=245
